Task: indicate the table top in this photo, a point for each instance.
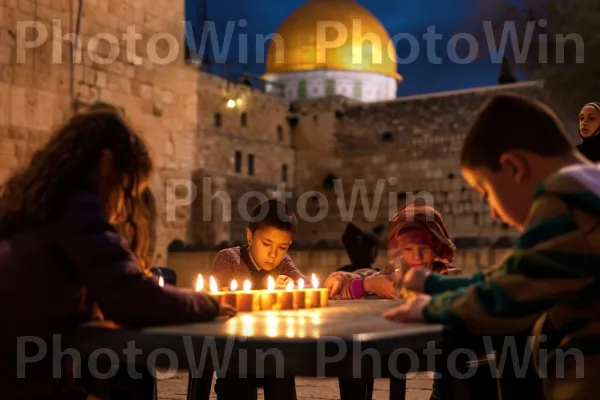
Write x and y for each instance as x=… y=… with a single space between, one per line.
x=348 y=320
x=297 y=334
x=352 y=320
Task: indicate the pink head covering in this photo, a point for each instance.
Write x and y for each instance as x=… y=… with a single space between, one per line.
x=420 y=223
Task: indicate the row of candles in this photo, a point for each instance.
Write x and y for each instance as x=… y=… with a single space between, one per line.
x=290 y=298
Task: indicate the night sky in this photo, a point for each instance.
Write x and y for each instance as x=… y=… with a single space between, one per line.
x=407 y=16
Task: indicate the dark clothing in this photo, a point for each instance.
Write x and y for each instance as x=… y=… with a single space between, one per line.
x=590 y=148
x=361 y=247
x=235 y=263
x=53 y=276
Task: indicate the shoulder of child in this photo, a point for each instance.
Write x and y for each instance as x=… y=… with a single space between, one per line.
x=227 y=258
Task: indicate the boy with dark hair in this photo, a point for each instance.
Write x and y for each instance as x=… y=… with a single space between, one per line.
x=518 y=157
x=269 y=234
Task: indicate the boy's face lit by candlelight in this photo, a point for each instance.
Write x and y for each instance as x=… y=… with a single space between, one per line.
x=509 y=191
x=268 y=246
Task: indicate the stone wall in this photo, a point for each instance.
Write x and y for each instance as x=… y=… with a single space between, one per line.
x=159 y=98
x=393 y=152
x=220 y=212
x=188 y=265
x=254 y=124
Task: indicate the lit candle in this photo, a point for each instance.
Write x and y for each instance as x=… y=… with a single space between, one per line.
x=245 y=299
x=214 y=290
x=286 y=297
x=299 y=295
x=229 y=297
x=200 y=283
x=268 y=298
x=161 y=281
x=313 y=296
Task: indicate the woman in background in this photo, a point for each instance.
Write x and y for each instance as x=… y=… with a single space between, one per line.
x=589 y=131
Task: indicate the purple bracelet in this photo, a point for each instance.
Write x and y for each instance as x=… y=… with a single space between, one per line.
x=356 y=288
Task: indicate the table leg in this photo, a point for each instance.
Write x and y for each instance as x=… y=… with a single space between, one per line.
x=199 y=387
x=397 y=389
x=356 y=389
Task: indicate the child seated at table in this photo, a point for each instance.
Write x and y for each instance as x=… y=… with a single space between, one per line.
x=418 y=235
x=269 y=234
x=361 y=247
x=518 y=157
x=62 y=257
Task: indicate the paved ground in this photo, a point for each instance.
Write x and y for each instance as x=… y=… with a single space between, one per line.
x=419 y=388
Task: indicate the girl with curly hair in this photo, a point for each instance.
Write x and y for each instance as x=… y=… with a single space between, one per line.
x=74 y=239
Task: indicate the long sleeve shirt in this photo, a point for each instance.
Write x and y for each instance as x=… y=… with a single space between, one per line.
x=552 y=273
x=235 y=263
x=52 y=276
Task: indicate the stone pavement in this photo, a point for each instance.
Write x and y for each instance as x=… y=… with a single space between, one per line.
x=418 y=388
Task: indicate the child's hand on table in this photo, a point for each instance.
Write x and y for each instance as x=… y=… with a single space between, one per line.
x=381 y=285
x=415 y=279
x=410 y=311
x=227 y=311
x=334 y=284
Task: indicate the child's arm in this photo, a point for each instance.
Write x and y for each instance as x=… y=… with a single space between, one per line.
x=552 y=260
x=288 y=268
x=113 y=277
x=436 y=283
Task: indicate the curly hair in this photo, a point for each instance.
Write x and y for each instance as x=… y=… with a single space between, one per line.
x=68 y=163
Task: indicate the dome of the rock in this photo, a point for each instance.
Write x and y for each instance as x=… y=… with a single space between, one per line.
x=333 y=35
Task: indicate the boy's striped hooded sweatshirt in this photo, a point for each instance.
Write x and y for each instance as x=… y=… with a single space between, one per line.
x=551 y=276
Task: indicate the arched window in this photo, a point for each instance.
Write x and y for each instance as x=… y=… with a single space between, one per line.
x=218 y=119
x=387 y=137
x=280 y=133
x=244 y=119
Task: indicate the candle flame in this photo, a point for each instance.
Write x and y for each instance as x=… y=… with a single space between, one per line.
x=247 y=285
x=233 y=285
x=289 y=287
x=315 y=282
x=199 y=283
x=213 y=285
x=300 y=283
x=161 y=281
x=270 y=284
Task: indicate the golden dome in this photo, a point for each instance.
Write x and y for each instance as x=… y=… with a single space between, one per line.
x=341 y=23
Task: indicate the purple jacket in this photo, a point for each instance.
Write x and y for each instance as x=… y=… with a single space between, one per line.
x=235 y=263
x=51 y=277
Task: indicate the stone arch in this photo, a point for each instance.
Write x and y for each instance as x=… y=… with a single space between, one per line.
x=387 y=137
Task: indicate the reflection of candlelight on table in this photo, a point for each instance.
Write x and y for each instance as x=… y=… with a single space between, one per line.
x=245 y=299
x=232 y=327
x=200 y=283
x=268 y=298
x=272 y=322
x=299 y=295
x=229 y=297
x=247 y=325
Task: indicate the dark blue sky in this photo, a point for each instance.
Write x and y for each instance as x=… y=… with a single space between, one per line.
x=397 y=16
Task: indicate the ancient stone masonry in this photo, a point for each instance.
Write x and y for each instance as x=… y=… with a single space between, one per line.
x=38 y=85
x=394 y=152
x=208 y=134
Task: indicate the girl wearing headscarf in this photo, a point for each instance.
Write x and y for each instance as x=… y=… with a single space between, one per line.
x=416 y=235
x=589 y=131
